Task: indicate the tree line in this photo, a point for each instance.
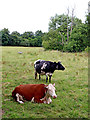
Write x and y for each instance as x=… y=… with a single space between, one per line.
x=26 y=39
x=66 y=33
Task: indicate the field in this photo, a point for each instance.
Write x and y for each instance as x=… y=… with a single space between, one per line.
x=71 y=84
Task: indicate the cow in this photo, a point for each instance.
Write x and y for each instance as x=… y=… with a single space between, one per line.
x=47 y=68
x=39 y=93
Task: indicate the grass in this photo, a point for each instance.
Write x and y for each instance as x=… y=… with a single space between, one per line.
x=71 y=84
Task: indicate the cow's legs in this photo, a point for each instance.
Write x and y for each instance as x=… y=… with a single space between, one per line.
x=46 y=78
x=37 y=100
x=46 y=100
x=19 y=98
x=50 y=78
x=35 y=75
x=32 y=99
x=39 y=77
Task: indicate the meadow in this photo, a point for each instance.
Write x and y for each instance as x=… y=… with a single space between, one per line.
x=71 y=84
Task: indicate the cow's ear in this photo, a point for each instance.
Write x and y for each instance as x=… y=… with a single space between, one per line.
x=54 y=84
x=59 y=62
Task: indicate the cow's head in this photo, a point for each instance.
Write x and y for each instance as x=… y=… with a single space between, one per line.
x=59 y=66
x=51 y=90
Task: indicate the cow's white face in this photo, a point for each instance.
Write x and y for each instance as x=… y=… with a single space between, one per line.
x=51 y=90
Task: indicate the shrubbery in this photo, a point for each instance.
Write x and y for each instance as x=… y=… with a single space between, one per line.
x=87 y=49
x=52 y=44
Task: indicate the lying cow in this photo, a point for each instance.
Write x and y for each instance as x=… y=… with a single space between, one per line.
x=39 y=93
x=46 y=68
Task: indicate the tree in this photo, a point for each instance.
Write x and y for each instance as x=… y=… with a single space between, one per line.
x=15 y=38
x=38 y=33
x=57 y=21
x=52 y=40
x=88 y=24
x=25 y=42
x=78 y=40
x=28 y=35
x=67 y=24
x=5 y=36
x=66 y=33
x=64 y=24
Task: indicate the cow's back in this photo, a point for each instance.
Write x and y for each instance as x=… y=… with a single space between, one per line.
x=29 y=91
x=45 y=66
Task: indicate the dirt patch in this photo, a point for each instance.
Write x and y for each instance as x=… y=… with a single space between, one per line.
x=4 y=62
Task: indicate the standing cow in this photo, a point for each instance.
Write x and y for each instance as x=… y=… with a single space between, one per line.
x=39 y=93
x=47 y=68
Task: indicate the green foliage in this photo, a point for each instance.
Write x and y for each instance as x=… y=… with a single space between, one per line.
x=87 y=49
x=52 y=40
x=58 y=21
x=26 y=39
x=28 y=35
x=38 y=33
x=25 y=43
x=70 y=47
x=52 y=44
x=5 y=37
x=66 y=36
x=88 y=24
x=15 y=38
x=78 y=40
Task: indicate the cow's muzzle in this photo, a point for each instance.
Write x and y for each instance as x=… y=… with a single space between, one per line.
x=63 y=68
x=55 y=96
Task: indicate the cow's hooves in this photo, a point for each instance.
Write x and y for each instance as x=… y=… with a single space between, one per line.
x=21 y=102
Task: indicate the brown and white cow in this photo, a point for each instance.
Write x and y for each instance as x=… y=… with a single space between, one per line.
x=39 y=93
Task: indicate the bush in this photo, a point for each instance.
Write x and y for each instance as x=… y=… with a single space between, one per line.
x=72 y=46
x=52 y=44
x=87 y=49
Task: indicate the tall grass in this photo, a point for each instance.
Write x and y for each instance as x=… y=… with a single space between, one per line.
x=71 y=84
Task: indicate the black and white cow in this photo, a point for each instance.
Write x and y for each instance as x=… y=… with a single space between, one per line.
x=47 y=68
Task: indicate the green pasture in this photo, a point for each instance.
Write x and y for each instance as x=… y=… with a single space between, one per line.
x=71 y=84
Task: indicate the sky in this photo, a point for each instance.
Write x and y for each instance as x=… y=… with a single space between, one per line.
x=33 y=15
